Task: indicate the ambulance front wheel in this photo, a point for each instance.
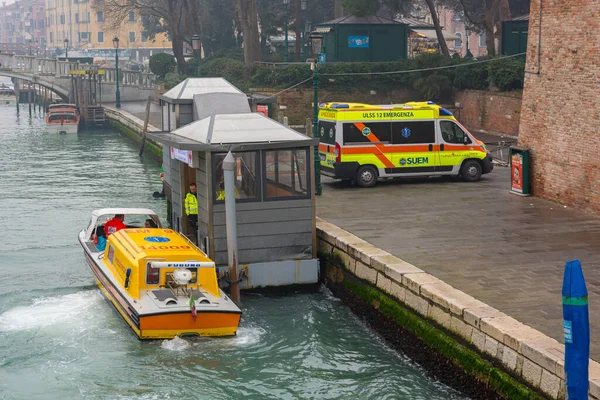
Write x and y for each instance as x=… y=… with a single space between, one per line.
x=367 y=176
x=471 y=171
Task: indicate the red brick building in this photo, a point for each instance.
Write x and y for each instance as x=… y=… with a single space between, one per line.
x=560 y=115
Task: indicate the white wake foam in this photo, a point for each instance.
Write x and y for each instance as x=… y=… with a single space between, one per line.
x=49 y=311
x=175 y=344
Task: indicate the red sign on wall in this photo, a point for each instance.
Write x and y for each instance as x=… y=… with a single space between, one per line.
x=262 y=109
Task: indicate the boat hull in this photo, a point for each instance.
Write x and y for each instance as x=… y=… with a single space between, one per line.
x=62 y=129
x=165 y=325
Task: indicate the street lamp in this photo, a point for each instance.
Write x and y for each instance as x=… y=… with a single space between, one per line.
x=317 y=44
x=196 y=46
x=66 y=49
x=286 y=55
x=117 y=93
x=302 y=51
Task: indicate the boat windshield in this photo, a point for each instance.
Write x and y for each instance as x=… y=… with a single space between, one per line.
x=131 y=221
x=62 y=117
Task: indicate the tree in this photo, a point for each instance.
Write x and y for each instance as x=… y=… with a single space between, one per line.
x=217 y=26
x=361 y=8
x=247 y=19
x=438 y=28
x=178 y=18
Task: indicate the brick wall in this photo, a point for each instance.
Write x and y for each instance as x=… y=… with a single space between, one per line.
x=298 y=102
x=490 y=112
x=560 y=119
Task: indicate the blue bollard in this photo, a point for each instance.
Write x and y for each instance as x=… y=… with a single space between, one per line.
x=576 y=326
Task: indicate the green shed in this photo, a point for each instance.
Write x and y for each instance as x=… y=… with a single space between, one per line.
x=514 y=35
x=363 y=39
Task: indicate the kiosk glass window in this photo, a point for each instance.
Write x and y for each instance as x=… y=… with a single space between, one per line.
x=286 y=174
x=246 y=178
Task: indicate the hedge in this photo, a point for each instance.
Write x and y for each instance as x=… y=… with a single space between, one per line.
x=504 y=73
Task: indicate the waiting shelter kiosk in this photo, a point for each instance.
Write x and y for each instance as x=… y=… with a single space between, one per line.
x=274 y=189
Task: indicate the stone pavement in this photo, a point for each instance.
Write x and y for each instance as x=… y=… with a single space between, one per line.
x=138 y=109
x=505 y=250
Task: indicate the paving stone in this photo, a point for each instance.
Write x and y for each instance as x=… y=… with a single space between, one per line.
x=461 y=328
x=398 y=291
x=416 y=302
x=395 y=271
x=515 y=338
x=537 y=351
x=491 y=346
x=474 y=315
x=532 y=372
x=595 y=388
x=414 y=281
x=478 y=339
x=497 y=327
x=342 y=242
x=384 y=283
x=550 y=384
x=365 y=251
x=509 y=358
x=449 y=297
x=349 y=262
x=440 y=316
x=366 y=273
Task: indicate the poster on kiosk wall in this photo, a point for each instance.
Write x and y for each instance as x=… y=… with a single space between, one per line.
x=262 y=109
x=517 y=173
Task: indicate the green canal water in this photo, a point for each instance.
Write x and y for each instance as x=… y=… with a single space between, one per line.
x=59 y=339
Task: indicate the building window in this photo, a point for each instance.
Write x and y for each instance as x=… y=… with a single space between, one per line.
x=84 y=37
x=286 y=174
x=76 y=17
x=131 y=37
x=131 y=16
x=482 y=40
x=100 y=37
x=51 y=37
x=245 y=174
x=62 y=19
x=144 y=37
x=100 y=16
x=458 y=42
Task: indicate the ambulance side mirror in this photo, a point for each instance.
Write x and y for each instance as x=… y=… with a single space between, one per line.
x=467 y=140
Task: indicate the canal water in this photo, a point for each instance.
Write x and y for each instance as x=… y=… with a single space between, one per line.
x=59 y=339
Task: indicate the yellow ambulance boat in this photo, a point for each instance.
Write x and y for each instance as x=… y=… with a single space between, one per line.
x=160 y=282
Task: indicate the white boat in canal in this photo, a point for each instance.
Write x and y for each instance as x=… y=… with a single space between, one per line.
x=7 y=94
x=62 y=118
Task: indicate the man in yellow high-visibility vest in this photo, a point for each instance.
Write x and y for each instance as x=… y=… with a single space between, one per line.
x=191 y=208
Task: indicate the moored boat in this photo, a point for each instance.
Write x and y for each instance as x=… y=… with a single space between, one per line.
x=160 y=282
x=7 y=94
x=62 y=118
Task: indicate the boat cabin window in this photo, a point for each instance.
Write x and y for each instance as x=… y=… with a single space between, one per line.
x=62 y=117
x=152 y=275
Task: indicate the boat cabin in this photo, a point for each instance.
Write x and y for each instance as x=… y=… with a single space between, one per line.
x=133 y=218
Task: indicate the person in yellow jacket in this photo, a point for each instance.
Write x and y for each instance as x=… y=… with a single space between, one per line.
x=221 y=191
x=191 y=208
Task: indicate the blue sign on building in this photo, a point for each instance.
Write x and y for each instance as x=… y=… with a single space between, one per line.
x=322 y=58
x=358 y=42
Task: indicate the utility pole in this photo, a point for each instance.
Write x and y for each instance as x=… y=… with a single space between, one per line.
x=286 y=54
x=315 y=68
